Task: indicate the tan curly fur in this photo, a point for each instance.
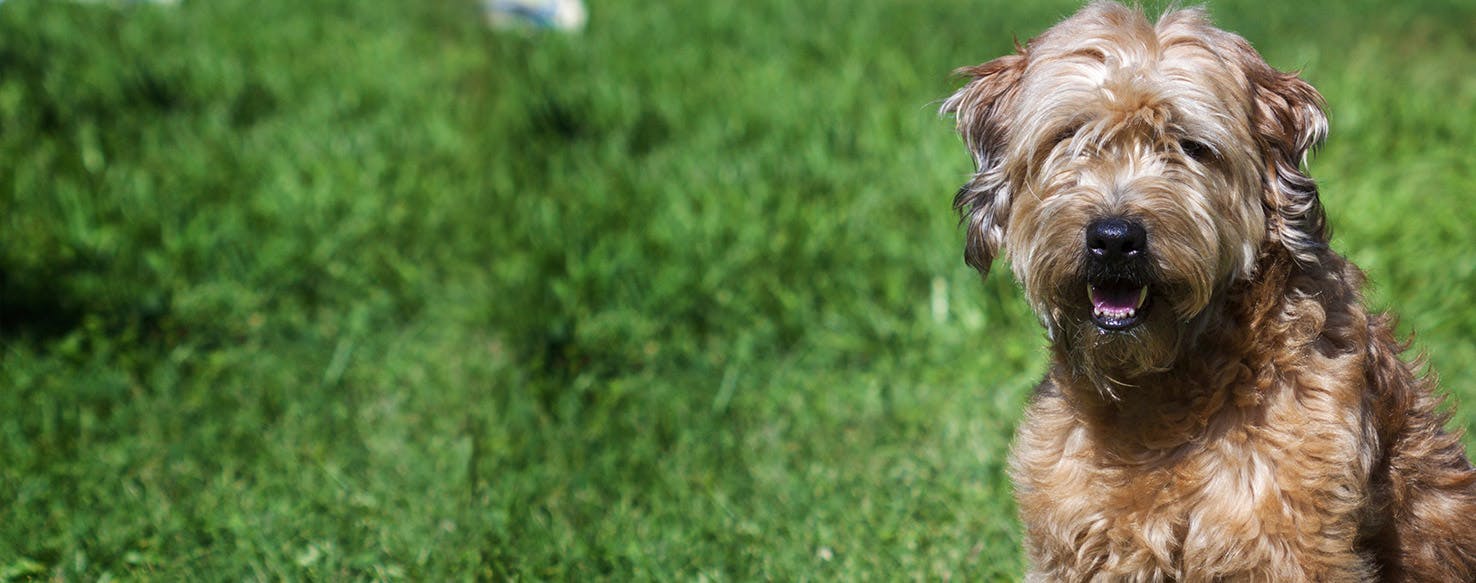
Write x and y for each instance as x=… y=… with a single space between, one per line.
x=1255 y=423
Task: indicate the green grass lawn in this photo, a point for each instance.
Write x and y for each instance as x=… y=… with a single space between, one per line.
x=366 y=290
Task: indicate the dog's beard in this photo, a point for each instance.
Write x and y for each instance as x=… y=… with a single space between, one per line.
x=1117 y=360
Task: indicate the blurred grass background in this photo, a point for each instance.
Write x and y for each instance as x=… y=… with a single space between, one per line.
x=368 y=290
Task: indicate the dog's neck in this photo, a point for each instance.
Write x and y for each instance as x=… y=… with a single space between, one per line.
x=1222 y=373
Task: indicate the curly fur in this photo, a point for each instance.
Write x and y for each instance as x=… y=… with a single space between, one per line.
x=1258 y=423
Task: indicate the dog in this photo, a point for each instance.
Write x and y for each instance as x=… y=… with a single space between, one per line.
x=1220 y=405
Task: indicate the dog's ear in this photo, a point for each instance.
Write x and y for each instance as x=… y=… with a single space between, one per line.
x=1289 y=123
x=981 y=108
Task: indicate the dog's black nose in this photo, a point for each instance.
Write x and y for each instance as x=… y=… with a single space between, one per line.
x=1116 y=239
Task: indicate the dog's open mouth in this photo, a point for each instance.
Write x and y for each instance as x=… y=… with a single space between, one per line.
x=1117 y=306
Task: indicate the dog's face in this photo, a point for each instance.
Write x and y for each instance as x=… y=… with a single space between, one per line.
x=1131 y=173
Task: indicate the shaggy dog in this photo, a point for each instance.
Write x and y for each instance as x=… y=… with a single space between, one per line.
x=1220 y=405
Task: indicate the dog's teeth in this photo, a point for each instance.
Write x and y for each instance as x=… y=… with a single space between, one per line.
x=1115 y=314
x=1102 y=308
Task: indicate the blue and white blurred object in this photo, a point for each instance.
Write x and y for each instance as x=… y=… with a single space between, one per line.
x=565 y=15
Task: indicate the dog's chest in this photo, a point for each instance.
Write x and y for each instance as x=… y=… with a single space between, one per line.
x=1226 y=506
x=1202 y=506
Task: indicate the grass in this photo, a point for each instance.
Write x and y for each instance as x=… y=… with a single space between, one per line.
x=355 y=290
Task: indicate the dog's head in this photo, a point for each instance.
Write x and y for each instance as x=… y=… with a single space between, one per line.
x=1131 y=172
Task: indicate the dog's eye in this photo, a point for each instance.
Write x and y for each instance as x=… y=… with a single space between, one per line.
x=1197 y=150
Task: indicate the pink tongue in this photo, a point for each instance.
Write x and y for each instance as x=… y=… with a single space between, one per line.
x=1115 y=298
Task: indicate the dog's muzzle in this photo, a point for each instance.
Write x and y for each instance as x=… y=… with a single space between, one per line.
x=1117 y=272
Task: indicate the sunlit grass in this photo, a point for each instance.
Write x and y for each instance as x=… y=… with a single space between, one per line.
x=367 y=290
